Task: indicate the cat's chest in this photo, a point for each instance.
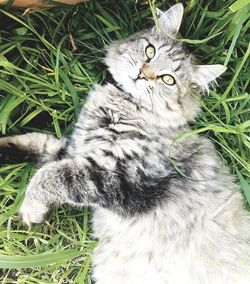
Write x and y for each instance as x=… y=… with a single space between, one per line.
x=113 y=134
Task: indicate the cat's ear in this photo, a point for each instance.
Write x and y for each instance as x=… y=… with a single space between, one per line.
x=203 y=75
x=170 y=21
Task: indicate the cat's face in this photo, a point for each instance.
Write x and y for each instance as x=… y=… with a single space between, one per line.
x=153 y=67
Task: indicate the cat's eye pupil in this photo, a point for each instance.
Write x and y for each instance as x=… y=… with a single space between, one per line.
x=150 y=51
x=168 y=79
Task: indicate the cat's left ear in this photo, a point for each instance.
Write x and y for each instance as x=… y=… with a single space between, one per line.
x=170 y=21
x=203 y=75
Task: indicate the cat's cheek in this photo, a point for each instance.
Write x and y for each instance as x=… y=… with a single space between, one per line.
x=124 y=81
x=138 y=85
x=145 y=86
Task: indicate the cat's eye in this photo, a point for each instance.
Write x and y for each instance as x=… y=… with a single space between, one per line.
x=150 y=51
x=168 y=79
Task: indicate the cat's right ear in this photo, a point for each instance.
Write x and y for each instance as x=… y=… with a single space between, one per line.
x=203 y=75
x=169 y=22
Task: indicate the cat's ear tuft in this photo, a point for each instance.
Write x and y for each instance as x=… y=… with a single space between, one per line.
x=170 y=21
x=203 y=75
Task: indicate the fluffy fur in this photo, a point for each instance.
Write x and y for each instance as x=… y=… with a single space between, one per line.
x=154 y=224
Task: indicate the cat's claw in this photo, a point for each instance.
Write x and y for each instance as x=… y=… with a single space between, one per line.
x=33 y=212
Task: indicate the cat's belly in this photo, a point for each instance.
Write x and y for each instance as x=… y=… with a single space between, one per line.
x=127 y=252
x=137 y=251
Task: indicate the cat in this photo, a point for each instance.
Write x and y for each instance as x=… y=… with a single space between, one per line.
x=159 y=218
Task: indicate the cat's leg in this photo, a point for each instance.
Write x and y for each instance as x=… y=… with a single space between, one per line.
x=84 y=182
x=64 y=182
x=31 y=147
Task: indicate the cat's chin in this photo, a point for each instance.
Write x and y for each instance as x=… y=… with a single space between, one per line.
x=140 y=95
x=139 y=91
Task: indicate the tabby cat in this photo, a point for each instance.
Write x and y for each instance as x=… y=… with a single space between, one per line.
x=159 y=218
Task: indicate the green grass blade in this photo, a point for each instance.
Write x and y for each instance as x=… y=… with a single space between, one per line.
x=244 y=186
x=237 y=5
x=37 y=260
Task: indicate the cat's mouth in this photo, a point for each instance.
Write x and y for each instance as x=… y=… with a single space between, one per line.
x=138 y=78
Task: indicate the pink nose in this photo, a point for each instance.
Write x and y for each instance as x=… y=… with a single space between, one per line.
x=147 y=73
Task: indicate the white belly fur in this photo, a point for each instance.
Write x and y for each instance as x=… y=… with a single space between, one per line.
x=140 y=250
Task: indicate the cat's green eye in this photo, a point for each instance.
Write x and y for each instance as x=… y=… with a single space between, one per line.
x=168 y=79
x=150 y=51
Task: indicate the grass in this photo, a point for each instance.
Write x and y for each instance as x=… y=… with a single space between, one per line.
x=49 y=59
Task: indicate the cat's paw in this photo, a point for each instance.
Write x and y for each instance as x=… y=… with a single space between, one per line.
x=33 y=212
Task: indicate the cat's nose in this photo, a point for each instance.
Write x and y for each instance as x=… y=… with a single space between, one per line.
x=147 y=73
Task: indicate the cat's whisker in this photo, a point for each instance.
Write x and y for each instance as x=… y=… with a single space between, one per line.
x=89 y=56
x=91 y=47
x=152 y=101
x=149 y=93
x=130 y=59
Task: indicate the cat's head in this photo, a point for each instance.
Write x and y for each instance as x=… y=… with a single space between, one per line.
x=155 y=69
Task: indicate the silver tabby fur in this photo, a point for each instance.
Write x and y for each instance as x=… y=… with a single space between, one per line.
x=154 y=224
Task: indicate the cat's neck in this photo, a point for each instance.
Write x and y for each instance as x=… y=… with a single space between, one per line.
x=160 y=115
x=163 y=119
x=139 y=113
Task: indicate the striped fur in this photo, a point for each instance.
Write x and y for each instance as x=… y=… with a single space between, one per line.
x=154 y=224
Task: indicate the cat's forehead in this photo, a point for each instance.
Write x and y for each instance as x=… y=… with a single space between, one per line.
x=163 y=44
x=169 y=52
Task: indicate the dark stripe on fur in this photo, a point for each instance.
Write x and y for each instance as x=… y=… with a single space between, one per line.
x=11 y=154
x=127 y=196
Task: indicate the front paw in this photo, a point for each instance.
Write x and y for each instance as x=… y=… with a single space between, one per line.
x=33 y=211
